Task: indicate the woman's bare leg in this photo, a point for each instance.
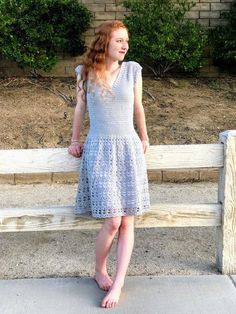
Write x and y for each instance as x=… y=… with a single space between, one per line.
x=124 y=251
x=103 y=245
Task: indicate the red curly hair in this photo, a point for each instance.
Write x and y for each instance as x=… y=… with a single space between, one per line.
x=94 y=60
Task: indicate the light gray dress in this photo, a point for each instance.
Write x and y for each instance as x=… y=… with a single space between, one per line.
x=113 y=175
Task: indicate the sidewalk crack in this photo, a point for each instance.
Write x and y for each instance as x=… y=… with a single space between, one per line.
x=234 y=283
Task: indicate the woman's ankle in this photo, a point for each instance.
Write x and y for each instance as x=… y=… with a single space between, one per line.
x=118 y=283
x=101 y=271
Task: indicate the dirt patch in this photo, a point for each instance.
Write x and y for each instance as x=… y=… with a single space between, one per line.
x=178 y=111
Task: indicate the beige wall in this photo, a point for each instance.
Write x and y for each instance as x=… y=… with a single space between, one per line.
x=193 y=175
x=206 y=12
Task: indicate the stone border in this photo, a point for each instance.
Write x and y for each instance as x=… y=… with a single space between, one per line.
x=157 y=176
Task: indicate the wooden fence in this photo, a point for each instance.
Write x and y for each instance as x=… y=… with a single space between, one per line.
x=221 y=214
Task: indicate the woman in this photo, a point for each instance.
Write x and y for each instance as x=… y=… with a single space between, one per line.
x=113 y=178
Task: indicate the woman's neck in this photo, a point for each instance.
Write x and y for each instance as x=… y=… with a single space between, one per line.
x=112 y=66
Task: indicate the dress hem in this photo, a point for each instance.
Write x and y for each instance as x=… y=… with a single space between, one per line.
x=100 y=216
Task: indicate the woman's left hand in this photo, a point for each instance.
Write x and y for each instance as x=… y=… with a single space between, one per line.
x=146 y=145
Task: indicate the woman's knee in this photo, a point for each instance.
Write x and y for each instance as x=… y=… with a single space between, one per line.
x=127 y=222
x=113 y=224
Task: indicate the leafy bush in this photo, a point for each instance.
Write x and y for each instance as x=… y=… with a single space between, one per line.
x=223 y=39
x=162 y=37
x=33 y=32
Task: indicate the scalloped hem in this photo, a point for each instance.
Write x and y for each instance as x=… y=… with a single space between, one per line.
x=121 y=212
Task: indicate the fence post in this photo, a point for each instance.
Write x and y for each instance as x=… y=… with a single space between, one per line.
x=226 y=233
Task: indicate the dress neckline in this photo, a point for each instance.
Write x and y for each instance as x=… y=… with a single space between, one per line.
x=118 y=76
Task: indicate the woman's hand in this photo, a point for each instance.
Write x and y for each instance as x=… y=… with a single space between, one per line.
x=146 y=145
x=76 y=149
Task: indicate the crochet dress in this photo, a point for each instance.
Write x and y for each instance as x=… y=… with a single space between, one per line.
x=113 y=176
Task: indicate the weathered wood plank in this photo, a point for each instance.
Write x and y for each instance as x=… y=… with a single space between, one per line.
x=158 y=157
x=185 y=156
x=226 y=233
x=37 y=161
x=63 y=218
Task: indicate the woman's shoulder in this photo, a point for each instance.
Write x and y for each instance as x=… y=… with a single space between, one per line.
x=133 y=70
x=78 y=69
x=133 y=64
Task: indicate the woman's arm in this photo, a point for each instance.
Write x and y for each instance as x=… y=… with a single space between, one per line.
x=76 y=147
x=139 y=114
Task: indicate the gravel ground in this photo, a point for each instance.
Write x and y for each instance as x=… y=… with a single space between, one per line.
x=157 y=251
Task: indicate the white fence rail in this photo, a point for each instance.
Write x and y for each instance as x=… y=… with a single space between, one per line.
x=158 y=157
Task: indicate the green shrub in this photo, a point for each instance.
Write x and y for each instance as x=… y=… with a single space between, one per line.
x=34 y=32
x=162 y=37
x=223 y=39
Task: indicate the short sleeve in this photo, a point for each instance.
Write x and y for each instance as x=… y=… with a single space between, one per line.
x=78 y=69
x=137 y=71
x=78 y=75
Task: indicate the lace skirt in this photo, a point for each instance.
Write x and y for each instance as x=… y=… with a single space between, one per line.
x=113 y=177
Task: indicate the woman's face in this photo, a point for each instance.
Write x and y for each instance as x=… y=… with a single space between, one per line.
x=118 y=45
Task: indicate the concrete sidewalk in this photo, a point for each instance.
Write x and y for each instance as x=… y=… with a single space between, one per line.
x=207 y=294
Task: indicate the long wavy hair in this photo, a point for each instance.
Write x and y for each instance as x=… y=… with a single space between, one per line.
x=94 y=60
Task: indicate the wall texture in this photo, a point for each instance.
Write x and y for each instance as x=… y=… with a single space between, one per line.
x=156 y=176
x=205 y=12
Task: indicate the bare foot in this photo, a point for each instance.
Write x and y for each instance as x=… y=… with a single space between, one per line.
x=112 y=297
x=103 y=280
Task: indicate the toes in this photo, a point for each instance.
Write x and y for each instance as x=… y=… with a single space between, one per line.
x=108 y=303
x=107 y=287
x=112 y=304
x=103 y=304
x=104 y=283
x=110 y=300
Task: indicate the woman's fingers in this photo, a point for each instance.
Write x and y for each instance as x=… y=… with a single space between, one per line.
x=75 y=150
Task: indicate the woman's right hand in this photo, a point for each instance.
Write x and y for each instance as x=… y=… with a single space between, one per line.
x=76 y=149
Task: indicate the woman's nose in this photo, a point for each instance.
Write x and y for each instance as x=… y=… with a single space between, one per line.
x=125 y=46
